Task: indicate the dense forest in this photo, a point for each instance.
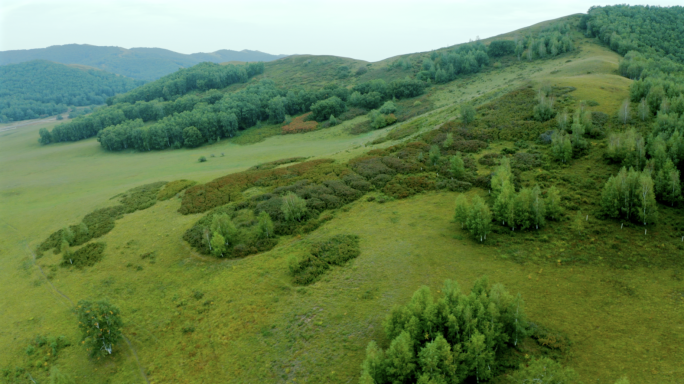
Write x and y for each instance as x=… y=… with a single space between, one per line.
x=188 y=108
x=137 y=63
x=650 y=39
x=42 y=88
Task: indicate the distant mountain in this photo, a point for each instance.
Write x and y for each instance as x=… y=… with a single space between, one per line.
x=136 y=63
x=41 y=88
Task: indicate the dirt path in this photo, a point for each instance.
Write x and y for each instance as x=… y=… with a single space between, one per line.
x=27 y=123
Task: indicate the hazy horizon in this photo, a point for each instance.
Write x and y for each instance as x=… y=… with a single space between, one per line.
x=367 y=30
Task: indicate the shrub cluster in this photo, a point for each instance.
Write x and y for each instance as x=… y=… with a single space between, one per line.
x=277 y=163
x=141 y=197
x=173 y=188
x=101 y=221
x=86 y=256
x=336 y=251
x=455 y=338
x=300 y=125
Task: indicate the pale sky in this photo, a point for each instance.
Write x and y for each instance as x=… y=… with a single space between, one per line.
x=369 y=29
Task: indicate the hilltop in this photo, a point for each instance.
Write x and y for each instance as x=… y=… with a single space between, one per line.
x=137 y=63
x=244 y=230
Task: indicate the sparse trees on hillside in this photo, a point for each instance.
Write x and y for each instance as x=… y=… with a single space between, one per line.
x=630 y=195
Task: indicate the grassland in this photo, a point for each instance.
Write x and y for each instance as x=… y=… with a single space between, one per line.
x=192 y=319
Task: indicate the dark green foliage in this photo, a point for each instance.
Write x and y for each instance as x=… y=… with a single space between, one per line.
x=202 y=159
x=85 y=256
x=498 y=48
x=322 y=110
x=648 y=29
x=201 y=77
x=336 y=251
x=141 y=197
x=100 y=324
x=454 y=338
x=173 y=188
x=41 y=88
x=192 y=137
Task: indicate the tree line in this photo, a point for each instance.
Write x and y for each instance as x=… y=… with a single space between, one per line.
x=191 y=121
x=42 y=88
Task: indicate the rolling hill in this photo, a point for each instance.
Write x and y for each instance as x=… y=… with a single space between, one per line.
x=42 y=88
x=352 y=248
x=137 y=63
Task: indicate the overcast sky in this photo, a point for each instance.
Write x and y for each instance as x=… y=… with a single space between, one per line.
x=369 y=29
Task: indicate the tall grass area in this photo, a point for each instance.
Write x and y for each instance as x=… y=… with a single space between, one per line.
x=190 y=318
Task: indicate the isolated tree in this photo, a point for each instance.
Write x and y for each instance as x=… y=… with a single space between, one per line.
x=623 y=113
x=467 y=114
x=100 y=324
x=479 y=219
x=544 y=110
x=462 y=209
x=293 y=207
x=456 y=166
x=265 y=225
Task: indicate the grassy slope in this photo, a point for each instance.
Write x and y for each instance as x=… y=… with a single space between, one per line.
x=257 y=327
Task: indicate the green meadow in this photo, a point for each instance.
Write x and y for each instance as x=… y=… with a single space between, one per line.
x=613 y=298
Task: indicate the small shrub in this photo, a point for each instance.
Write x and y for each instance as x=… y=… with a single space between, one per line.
x=336 y=251
x=202 y=159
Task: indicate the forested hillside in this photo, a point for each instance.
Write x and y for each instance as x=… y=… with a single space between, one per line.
x=42 y=88
x=137 y=63
x=193 y=107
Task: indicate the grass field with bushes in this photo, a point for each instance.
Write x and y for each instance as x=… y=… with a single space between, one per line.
x=601 y=296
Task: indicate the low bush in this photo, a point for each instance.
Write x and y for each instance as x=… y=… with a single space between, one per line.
x=300 y=124
x=173 y=188
x=336 y=251
x=85 y=256
x=141 y=197
x=100 y=324
x=277 y=163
